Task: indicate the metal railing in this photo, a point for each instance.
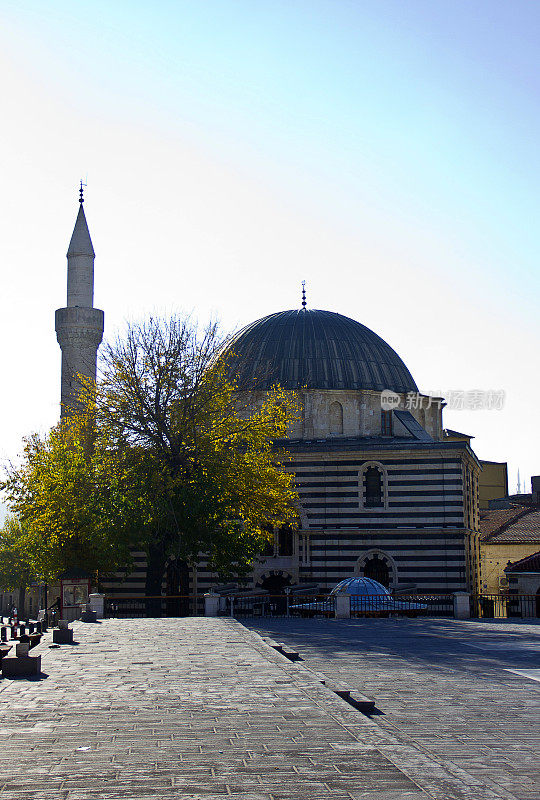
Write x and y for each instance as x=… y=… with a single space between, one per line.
x=499 y=606
x=130 y=606
x=255 y=604
x=409 y=605
x=294 y=605
x=276 y=605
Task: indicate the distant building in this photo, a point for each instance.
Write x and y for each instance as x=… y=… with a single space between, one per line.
x=524 y=577
x=493 y=483
x=506 y=535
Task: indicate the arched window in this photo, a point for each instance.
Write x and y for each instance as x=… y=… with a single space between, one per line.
x=373 y=485
x=373 y=488
x=386 y=423
x=336 y=418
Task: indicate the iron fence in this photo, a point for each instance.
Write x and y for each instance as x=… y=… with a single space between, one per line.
x=427 y=605
x=276 y=605
x=294 y=605
x=499 y=606
x=254 y=604
x=130 y=606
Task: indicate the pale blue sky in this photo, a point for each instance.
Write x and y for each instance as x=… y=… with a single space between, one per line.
x=385 y=151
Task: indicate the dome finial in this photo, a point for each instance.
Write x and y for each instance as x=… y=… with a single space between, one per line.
x=304 y=294
x=81 y=194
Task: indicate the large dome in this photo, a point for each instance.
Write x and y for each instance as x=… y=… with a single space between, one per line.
x=316 y=350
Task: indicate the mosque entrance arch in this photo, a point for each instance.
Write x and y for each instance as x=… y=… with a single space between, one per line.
x=377 y=569
x=379 y=566
x=275 y=582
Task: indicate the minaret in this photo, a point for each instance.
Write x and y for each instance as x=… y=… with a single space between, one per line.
x=79 y=327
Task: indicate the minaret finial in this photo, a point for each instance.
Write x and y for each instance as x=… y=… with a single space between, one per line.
x=81 y=194
x=304 y=294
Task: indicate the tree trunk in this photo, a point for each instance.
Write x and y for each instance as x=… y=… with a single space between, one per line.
x=178 y=600
x=20 y=607
x=155 y=567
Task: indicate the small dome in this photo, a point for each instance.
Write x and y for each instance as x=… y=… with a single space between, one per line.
x=315 y=350
x=360 y=586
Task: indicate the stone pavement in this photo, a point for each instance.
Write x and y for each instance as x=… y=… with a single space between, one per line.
x=202 y=709
x=443 y=686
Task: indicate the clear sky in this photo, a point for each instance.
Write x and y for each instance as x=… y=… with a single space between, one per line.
x=384 y=151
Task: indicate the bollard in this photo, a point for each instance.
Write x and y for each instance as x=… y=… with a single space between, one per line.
x=63 y=634
x=39 y=627
x=31 y=627
x=22 y=629
x=4 y=650
x=3 y=633
x=88 y=615
x=22 y=648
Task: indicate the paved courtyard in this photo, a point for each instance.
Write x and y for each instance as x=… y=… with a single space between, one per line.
x=464 y=693
x=204 y=709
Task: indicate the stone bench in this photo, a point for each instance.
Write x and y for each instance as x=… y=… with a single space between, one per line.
x=63 y=634
x=22 y=665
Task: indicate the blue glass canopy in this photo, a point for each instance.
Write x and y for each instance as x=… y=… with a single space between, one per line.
x=360 y=586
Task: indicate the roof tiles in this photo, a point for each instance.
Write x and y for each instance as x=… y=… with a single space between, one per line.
x=507 y=525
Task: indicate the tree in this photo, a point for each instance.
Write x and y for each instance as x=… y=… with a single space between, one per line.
x=16 y=572
x=206 y=450
x=72 y=495
x=164 y=455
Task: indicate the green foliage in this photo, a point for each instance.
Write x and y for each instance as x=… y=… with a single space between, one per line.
x=72 y=500
x=16 y=571
x=216 y=483
x=164 y=454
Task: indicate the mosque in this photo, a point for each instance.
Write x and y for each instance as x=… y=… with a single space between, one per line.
x=383 y=491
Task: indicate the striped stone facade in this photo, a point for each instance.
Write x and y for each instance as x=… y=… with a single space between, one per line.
x=425 y=530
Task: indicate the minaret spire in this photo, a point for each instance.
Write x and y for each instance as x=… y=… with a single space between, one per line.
x=80 y=256
x=79 y=326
